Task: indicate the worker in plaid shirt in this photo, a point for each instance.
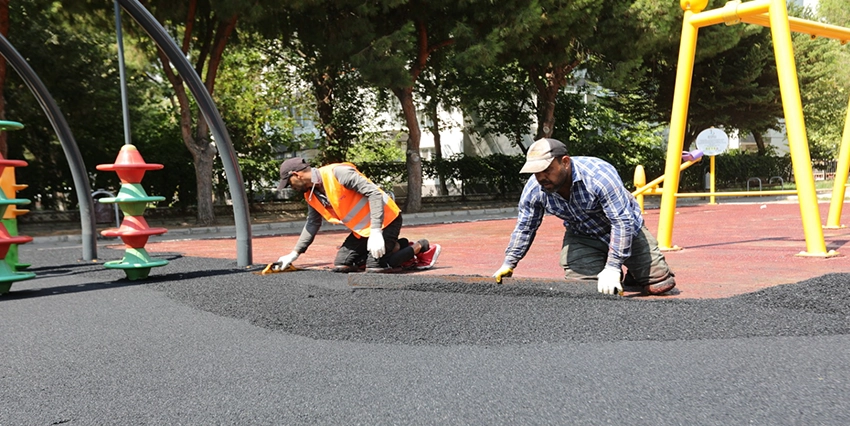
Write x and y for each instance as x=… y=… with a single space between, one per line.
x=604 y=227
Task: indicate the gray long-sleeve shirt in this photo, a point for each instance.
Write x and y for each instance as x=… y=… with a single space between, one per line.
x=351 y=179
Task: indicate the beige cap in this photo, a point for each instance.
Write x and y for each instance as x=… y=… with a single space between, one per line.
x=541 y=153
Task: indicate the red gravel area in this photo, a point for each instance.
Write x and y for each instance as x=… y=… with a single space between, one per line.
x=727 y=249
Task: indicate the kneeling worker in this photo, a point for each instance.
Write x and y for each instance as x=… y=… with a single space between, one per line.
x=604 y=226
x=340 y=194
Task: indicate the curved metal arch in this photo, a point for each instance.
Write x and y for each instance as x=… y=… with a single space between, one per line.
x=66 y=138
x=222 y=139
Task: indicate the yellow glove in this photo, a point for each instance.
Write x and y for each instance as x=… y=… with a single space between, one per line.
x=504 y=271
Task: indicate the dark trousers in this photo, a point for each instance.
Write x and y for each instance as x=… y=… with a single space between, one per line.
x=584 y=257
x=354 y=250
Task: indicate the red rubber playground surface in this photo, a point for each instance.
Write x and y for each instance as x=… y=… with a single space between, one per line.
x=727 y=249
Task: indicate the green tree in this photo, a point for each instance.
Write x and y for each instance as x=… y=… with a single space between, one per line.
x=386 y=43
x=203 y=29
x=550 y=39
x=734 y=83
x=594 y=129
x=404 y=35
x=85 y=87
x=318 y=38
x=498 y=99
x=205 y=33
x=259 y=101
x=823 y=68
x=437 y=87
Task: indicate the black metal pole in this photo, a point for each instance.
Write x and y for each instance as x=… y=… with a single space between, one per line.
x=66 y=138
x=125 y=105
x=208 y=108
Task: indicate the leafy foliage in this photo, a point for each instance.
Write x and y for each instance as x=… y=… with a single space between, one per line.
x=480 y=174
x=340 y=61
x=259 y=102
x=376 y=147
x=77 y=61
x=593 y=129
x=734 y=168
x=823 y=68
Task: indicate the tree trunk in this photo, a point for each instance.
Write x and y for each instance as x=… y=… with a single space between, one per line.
x=438 y=146
x=323 y=88
x=548 y=81
x=760 y=143
x=199 y=145
x=203 y=159
x=200 y=148
x=691 y=134
x=413 y=203
x=546 y=112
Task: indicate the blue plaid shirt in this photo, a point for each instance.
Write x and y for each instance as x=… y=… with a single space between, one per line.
x=599 y=206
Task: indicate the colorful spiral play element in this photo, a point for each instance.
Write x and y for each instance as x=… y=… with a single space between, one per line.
x=132 y=199
x=8 y=273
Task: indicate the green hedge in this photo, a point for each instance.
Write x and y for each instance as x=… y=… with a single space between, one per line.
x=499 y=173
x=734 y=168
x=495 y=174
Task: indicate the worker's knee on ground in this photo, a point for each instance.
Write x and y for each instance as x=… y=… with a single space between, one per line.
x=658 y=279
x=347 y=256
x=651 y=274
x=582 y=264
x=572 y=275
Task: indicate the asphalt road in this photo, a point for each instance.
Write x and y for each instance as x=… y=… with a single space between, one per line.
x=206 y=342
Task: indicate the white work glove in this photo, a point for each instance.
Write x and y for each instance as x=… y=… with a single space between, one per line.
x=284 y=261
x=609 y=281
x=376 y=245
x=504 y=271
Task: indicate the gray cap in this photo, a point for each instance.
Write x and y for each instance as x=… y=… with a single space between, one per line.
x=294 y=164
x=541 y=153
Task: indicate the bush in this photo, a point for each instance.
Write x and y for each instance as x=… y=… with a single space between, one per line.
x=473 y=174
x=734 y=168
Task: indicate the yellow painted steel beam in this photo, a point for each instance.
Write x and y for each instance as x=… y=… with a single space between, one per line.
x=657 y=181
x=805 y=26
x=756 y=12
x=640 y=180
x=711 y=180
x=730 y=14
x=736 y=193
x=676 y=137
x=841 y=172
x=773 y=14
x=795 y=128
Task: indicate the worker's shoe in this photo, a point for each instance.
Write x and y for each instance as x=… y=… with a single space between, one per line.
x=347 y=268
x=661 y=287
x=410 y=263
x=427 y=258
x=384 y=269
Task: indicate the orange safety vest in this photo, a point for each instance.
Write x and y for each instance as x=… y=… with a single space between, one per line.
x=350 y=208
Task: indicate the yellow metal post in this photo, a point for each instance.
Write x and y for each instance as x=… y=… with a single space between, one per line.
x=676 y=141
x=795 y=127
x=640 y=180
x=711 y=180
x=841 y=172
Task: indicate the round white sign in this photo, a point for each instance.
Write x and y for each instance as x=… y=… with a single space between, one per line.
x=712 y=141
